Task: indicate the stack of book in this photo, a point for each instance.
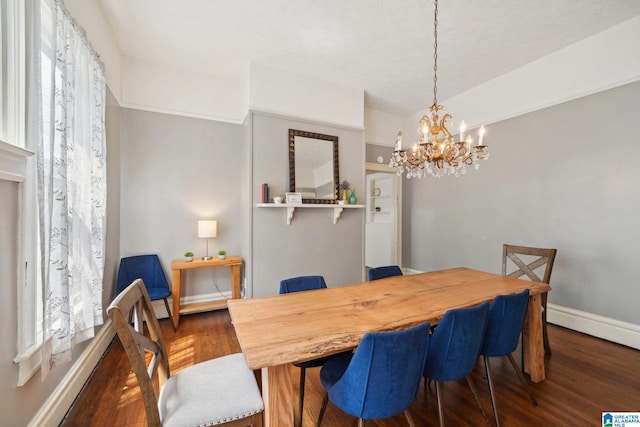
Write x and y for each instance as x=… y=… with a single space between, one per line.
x=265 y=193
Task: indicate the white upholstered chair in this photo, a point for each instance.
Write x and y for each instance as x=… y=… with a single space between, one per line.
x=218 y=391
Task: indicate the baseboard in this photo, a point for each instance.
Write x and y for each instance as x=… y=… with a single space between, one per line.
x=407 y=271
x=592 y=324
x=56 y=406
x=161 y=311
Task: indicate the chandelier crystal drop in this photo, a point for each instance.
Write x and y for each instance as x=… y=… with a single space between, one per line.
x=436 y=153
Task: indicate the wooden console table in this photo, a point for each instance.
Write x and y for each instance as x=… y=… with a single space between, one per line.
x=177 y=266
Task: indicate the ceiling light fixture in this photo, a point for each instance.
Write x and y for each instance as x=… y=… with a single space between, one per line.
x=436 y=153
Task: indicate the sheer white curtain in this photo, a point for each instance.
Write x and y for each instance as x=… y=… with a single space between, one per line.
x=71 y=184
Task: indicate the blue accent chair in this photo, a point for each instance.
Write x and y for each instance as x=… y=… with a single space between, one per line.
x=149 y=269
x=381 y=379
x=504 y=324
x=300 y=284
x=382 y=272
x=454 y=348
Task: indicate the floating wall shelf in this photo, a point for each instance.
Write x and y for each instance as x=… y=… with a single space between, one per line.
x=291 y=207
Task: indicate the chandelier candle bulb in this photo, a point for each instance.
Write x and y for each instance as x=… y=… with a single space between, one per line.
x=481 y=133
x=463 y=127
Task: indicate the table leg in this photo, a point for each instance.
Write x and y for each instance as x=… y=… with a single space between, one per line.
x=235 y=282
x=175 y=298
x=532 y=340
x=277 y=394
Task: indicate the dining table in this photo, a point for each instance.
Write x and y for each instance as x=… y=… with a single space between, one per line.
x=276 y=331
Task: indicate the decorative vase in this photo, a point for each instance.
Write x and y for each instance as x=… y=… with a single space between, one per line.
x=222 y=256
x=352 y=198
x=345 y=196
x=188 y=259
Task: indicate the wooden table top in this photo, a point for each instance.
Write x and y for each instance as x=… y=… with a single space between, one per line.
x=282 y=329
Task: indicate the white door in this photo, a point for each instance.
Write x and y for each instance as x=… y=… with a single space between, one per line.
x=383 y=219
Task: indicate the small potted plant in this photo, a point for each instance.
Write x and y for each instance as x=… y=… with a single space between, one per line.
x=188 y=256
x=222 y=254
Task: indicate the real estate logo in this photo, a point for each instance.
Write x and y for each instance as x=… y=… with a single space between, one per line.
x=621 y=419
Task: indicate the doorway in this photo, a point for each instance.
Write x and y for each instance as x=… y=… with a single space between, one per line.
x=383 y=219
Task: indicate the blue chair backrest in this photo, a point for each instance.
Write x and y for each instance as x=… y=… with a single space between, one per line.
x=504 y=324
x=384 y=374
x=145 y=267
x=382 y=272
x=455 y=344
x=302 y=283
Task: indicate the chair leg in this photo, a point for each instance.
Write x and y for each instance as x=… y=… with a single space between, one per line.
x=256 y=420
x=409 y=419
x=440 y=412
x=487 y=368
x=301 y=400
x=545 y=337
x=166 y=304
x=475 y=395
x=522 y=379
x=427 y=383
x=360 y=422
x=323 y=407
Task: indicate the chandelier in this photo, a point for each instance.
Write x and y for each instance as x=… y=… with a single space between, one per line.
x=437 y=153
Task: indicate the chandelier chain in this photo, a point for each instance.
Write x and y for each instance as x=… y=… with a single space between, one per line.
x=436 y=152
x=435 y=54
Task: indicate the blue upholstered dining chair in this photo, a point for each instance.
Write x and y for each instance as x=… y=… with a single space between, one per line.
x=385 y=271
x=302 y=283
x=149 y=269
x=299 y=284
x=381 y=379
x=504 y=324
x=453 y=350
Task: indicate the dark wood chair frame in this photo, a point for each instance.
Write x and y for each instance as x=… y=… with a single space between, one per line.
x=546 y=257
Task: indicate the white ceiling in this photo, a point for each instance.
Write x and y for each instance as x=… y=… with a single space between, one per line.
x=382 y=46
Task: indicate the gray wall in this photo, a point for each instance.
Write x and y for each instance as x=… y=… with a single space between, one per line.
x=112 y=252
x=374 y=150
x=176 y=170
x=563 y=177
x=312 y=244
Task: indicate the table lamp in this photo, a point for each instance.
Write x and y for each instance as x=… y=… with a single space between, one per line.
x=206 y=230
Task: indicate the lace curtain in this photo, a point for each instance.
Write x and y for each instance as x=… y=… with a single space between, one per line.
x=71 y=158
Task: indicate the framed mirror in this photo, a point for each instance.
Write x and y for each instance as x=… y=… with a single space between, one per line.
x=313 y=166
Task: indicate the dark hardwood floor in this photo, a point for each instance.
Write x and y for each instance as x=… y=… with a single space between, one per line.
x=585 y=376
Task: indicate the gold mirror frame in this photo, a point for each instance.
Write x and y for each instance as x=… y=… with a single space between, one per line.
x=293 y=133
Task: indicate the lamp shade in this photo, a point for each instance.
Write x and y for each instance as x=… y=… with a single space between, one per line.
x=207 y=228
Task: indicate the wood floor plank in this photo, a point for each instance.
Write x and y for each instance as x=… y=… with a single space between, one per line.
x=585 y=376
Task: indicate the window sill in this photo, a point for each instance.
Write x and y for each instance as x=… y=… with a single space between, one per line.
x=28 y=363
x=13 y=162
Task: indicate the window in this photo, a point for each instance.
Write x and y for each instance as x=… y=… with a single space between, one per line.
x=18 y=165
x=12 y=72
x=64 y=220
